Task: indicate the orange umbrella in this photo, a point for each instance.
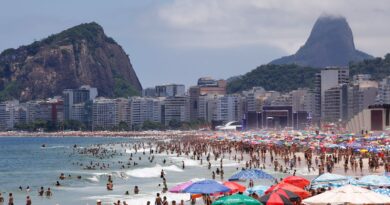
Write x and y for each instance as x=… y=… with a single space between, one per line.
x=235 y=187
x=282 y=185
x=297 y=181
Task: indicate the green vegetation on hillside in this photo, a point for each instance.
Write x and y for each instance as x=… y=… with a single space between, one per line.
x=379 y=68
x=124 y=88
x=281 y=78
x=285 y=78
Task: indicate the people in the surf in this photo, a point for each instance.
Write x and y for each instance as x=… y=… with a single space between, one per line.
x=41 y=191
x=28 y=200
x=10 y=199
x=1 y=199
x=136 y=190
x=48 y=192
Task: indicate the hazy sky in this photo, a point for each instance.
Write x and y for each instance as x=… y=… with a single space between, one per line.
x=180 y=40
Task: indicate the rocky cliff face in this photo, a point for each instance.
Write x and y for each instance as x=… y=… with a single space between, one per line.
x=330 y=44
x=82 y=55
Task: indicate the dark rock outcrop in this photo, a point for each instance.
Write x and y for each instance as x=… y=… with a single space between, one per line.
x=330 y=44
x=82 y=55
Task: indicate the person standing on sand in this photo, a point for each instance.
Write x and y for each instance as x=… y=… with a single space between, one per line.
x=158 y=200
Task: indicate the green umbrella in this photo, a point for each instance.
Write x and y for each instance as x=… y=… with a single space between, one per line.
x=236 y=199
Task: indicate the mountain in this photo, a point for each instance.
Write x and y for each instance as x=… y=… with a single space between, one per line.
x=81 y=55
x=330 y=44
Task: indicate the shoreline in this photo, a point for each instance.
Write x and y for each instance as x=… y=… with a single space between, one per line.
x=135 y=134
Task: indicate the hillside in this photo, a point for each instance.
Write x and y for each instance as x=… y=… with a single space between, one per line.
x=285 y=78
x=330 y=43
x=77 y=56
x=281 y=78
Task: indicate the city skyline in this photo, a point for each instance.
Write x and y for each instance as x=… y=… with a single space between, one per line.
x=211 y=38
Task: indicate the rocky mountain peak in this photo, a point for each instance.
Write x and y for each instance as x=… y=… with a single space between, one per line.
x=330 y=43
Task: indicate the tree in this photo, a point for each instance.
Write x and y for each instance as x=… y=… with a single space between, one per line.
x=150 y=125
x=174 y=124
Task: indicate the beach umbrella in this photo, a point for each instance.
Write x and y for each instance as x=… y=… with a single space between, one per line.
x=275 y=199
x=328 y=177
x=298 y=191
x=382 y=191
x=236 y=199
x=254 y=174
x=347 y=194
x=259 y=189
x=288 y=194
x=235 y=187
x=297 y=181
x=374 y=180
x=180 y=187
x=206 y=187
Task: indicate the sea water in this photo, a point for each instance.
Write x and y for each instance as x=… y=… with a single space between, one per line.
x=24 y=162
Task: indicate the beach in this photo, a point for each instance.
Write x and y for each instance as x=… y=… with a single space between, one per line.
x=38 y=160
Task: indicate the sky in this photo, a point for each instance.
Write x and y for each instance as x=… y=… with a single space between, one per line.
x=178 y=41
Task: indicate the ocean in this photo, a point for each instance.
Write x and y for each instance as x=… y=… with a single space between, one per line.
x=24 y=162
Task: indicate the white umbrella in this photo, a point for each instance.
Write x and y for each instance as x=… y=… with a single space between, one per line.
x=347 y=194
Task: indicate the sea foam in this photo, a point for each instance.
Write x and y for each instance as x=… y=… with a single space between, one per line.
x=150 y=172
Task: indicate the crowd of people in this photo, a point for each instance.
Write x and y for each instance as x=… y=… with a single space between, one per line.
x=284 y=159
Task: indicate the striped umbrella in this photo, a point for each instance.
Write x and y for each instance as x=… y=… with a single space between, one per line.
x=275 y=199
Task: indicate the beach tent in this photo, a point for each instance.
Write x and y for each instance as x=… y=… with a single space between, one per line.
x=347 y=194
x=254 y=174
x=374 y=180
x=275 y=199
x=236 y=199
x=297 y=181
x=206 y=187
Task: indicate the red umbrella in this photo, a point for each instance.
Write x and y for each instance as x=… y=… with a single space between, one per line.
x=275 y=199
x=282 y=185
x=235 y=187
x=297 y=181
x=288 y=194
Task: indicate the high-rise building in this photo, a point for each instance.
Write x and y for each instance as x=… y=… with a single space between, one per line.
x=327 y=79
x=145 y=109
x=384 y=91
x=104 y=114
x=335 y=104
x=76 y=96
x=169 y=90
x=205 y=86
x=177 y=109
x=8 y=114
x=229 y=108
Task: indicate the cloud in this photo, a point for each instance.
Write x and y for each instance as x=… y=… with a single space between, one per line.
x=280 y=23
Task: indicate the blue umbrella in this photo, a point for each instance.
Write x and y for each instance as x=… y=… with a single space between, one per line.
x=206 y=187
x=374 y=180
x=382 y=191
x=328 y=177
x=259 y=189
x=254 y=174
